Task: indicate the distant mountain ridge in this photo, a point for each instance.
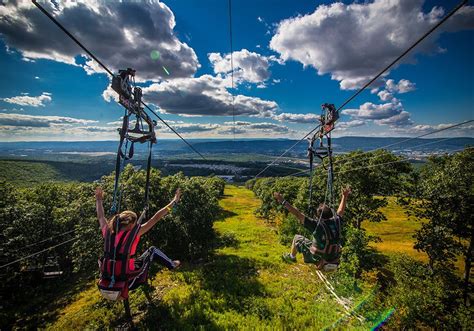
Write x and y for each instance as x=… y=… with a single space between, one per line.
x=244 y=146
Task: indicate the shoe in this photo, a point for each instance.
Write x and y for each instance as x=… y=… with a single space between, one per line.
x=288 y=258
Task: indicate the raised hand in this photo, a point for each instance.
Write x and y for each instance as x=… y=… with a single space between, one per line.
x=99 y=193
x=278 y=197
x=177 y=196
x=346 y=191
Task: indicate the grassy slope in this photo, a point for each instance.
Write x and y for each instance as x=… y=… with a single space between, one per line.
x=245 y=285
x=397 y=232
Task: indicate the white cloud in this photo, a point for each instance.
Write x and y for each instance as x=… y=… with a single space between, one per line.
x=119 y=33
x=349 y=124
x=398 y=120
x=205 y=96
x=403 y=86
x=353 y=42
x=297 y=118
x=384 y=95
x=248 y=66
x=461 y=131
x=40 y=121
x=26 y=100
x=373 y=111
x=251 y=128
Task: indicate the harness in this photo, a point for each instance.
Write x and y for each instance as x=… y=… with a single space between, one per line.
x=115 y=263
x=330 y=248
x=328 y=242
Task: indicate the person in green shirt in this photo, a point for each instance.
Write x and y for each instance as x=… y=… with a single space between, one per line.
x=325 y=246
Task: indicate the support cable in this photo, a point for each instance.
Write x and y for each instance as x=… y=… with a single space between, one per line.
x=444 y=19
x=37 y=253
x=409 y=139
x=232 y=66
x=70 y=35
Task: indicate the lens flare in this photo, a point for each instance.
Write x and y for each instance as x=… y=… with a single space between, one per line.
x=155 y=55
x=383 y=319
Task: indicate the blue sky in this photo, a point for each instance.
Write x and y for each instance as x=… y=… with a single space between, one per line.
x=289 y=58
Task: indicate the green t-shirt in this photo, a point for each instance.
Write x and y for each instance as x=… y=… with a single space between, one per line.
x=319 y=235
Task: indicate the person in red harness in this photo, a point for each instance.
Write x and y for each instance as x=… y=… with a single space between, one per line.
x=120 y=271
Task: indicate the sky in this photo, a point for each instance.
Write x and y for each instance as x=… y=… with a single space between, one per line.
x=289 y=58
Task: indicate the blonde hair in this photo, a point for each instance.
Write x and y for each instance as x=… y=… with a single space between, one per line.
x=125 y=219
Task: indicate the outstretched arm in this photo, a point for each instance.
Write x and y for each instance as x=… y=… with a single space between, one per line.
x=345 y=192
x=299 y=215
x=99 y=198
x=160 y=214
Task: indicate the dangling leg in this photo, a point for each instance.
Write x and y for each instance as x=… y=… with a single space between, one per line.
x=163 y=259
x=291 y=257
x=128 y=315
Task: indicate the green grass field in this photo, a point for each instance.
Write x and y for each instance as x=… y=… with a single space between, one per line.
x=244 y=285
x=396 y=232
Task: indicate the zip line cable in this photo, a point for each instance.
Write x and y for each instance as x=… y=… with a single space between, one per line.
x=284 y=153
x=405 y=140
x=413 y=138
x=50 y=238
x=232 y=66
x=371 y=157
x=398 y=161
x=70 y=35
x=369 y=166
x=37 y=253
x=459 y=6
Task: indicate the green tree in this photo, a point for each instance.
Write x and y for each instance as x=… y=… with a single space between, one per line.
x=447 y=202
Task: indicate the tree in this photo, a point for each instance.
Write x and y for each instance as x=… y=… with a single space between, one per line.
x=447 y=202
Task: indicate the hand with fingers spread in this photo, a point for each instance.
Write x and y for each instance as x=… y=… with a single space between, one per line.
x=278 y=197
x=99 y=193
x=346 y=191
x=177 y=196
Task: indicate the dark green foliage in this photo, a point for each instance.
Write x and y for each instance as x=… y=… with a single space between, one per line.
x=289 y=227
x=369 y=181
x=447 y=202
x=425 y=299
x=356 y=253
x=47 y=211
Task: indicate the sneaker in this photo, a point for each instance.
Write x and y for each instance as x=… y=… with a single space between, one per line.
x=288 y=258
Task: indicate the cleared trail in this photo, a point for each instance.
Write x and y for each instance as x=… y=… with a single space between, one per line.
x=243 y=285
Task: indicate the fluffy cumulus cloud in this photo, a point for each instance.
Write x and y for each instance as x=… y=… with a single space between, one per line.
x=119 y=33
x=253 y=128
x=372 y=111
x=466 y=130
x=350 y=124
x=296 y=118
x=26 y=100
x=239 y=128
x=40 y=121
x=205 y=96
x=391 y=112
x=30 y=127
x=352 y=42
x=248 y=66
x=403 y=86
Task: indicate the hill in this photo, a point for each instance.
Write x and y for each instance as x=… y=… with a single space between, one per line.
x=244 y=284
